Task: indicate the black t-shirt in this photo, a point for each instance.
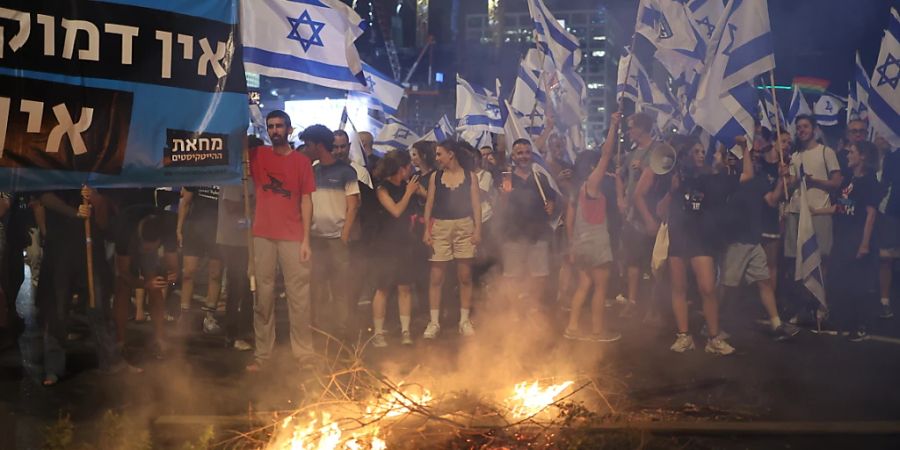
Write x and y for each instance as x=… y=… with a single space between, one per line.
x=394 y=231
x=771 y=224
x=205 y=204
x=525 y=217
x=699 y=205
x=890 y=179
x=745 y=211
x=857 y=193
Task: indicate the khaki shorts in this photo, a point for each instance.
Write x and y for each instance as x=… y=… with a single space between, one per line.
x=452 y=239
x=744 y=262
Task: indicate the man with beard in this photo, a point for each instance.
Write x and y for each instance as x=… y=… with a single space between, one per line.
x=284 y=183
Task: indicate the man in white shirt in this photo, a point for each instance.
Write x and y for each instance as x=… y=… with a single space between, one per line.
x=823 y=176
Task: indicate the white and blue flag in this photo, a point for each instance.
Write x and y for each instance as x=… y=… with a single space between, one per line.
x=382 y=93
x=667 y=26
x=859 y=93
x=305 y=40
x=808 y=266
x=884 y=93
x=395 y=135
x=529 y=98
x=770 y=112
x=477 y=107
x=705 y=14
x=740 y=50
x=442 y=130
x=565 y=89
x=799 y=106
x=828 y=110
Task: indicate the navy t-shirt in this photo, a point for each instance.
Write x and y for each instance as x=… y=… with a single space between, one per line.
x=746 y=206
x=856 y=194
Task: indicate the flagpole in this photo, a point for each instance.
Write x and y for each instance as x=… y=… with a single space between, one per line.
x=778 y=131
x=89 y=247
x=621 y=131
x=245 y=182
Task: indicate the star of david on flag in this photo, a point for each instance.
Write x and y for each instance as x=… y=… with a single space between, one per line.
x=395 y=135
x=883 y=95
x=314 y=35
x=383 y=94
x=311 y=41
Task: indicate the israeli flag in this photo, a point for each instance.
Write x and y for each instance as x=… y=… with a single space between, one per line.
x=477 y=107
x=705 y=14
x=382 y=93
x=561 y=47
x=827 y=110
x=770 y=112
x=741 y=49
x=441 y=131
x=808 y=266
x=304 y=40
x=667 y=26
x=859 y=96
x=395 y=135
x=884 y=93
x=566 y=89
x=529 y=97
x=515 y=130
x=799 y=106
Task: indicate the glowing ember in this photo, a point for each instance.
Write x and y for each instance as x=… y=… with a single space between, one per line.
x=325 y=434
x=398 y=403
x=529 y=399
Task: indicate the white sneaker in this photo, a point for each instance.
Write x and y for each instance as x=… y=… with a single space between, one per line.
x=432 y=330
x=466 y=328
x=683 y=343
x=718 y=346
x=379 y=341
x=406 y=338
x=211 y=325
x=621 y=299
x=242 y=345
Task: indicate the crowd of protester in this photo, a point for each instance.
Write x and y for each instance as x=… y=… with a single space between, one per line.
x=444 y=223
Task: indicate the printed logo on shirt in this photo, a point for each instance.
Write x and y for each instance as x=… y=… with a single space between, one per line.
x=276 y=186
x=845 y=205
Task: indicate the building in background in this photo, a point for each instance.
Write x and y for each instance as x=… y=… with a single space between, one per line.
x=499 y=32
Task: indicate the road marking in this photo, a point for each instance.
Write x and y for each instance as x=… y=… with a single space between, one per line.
x=886 y=339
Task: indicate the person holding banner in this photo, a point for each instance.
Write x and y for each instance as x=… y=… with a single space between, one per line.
x=198 y=214
x=453 y=230
x=284 y=183
x=65 y=274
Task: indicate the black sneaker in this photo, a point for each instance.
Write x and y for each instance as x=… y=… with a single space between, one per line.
x=858 y=336
x=785 y=331
x=886 y=312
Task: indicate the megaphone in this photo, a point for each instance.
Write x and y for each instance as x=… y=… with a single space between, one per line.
x=662 y=158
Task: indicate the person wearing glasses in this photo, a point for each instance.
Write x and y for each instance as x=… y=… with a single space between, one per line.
x=857 y=131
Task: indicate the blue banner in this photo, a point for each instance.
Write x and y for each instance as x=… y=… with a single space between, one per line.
x=120 y=93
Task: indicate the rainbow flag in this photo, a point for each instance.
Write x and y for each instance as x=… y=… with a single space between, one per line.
x=811 y=85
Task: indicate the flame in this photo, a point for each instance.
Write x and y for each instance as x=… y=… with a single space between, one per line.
x=325 y=434
x=529 y=399
x=399 y=402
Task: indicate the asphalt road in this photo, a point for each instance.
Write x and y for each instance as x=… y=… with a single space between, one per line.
x=813 y=378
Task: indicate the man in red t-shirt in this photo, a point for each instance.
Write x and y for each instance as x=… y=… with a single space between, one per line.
x=283 y=180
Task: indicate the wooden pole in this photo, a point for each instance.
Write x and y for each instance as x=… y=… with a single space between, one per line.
x=778 y=131
x=89 y=251
x=251 y=264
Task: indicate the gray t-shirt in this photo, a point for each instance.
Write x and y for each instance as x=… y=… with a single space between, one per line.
x=232 y=226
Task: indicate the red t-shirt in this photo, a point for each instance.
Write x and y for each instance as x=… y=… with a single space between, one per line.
x=280 y=180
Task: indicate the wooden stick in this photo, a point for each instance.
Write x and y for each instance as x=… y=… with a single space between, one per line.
x=89 y=247
x=251 y=264
x=537 y=180
x=778 y=131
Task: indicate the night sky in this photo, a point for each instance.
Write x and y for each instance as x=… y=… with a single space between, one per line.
x=812 y=37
